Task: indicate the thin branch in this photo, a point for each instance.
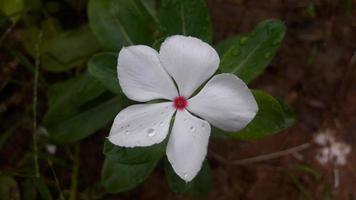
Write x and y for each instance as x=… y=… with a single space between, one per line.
x=263 y=157
x=34 y=105
x=6 y=33
x=50 y=164
x=336 y=176
x=75 y=169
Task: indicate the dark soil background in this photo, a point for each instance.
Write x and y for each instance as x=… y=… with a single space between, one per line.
x=314 y=71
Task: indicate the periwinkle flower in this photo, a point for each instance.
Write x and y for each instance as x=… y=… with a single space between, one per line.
x=174 y=74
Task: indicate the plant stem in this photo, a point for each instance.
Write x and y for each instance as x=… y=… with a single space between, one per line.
x=263 y=157
x=8 y=30
x=74 y=180
x=300 y=187
x=34 y=106
x=61 y=197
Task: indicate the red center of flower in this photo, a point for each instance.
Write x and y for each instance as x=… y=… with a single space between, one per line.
x=180 y=103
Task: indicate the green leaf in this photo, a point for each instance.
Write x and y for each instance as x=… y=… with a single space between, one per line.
x=78 y=108
x=199 y=186
x=288 y=113
x=9 y=188
x=50 y=28
x=42 y=188
x=117 y=177
x=223 y=46
x=73 y=93
x=308 y=170
x=33 y=5
x=5 y=21
x=135 y=155
x=12 y=7
x=272 y=117
x=103 y=67
x=86 y=122
x=157 y=44
x=121 y=22
x=249 y=57
x=28 y=190
x=151 y=7
x=69 y=49
x=185 y=17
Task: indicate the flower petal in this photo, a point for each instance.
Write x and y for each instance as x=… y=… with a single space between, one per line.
x=141 y=125
x=189 y=61
x=141 y=75
x=226 y=102
x=187 y=144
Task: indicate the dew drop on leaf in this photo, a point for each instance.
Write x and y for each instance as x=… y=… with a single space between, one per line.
x=243 y=40
x=267 y=55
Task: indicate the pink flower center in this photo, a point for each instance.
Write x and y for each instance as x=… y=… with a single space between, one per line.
x=180 y=103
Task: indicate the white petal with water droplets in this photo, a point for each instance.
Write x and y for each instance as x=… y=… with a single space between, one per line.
x=189 y=61
x=187 y=145
x=141 y=76
x=141 y=125
x=226 y=102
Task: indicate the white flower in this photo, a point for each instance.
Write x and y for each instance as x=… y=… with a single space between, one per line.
x=144 y=74
x=331 y=150
x=324 y=138
x=51 y=148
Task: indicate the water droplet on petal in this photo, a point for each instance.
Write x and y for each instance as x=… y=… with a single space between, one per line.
x=127 y=132
x=185 y=175
x=185 y=119
x=161 y=123
x=151 y=132
x=192 y=128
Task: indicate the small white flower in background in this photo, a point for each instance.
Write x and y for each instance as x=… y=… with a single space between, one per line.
x=331 y=150
x=144 y=74
x=51 y=148
x=324 y=138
